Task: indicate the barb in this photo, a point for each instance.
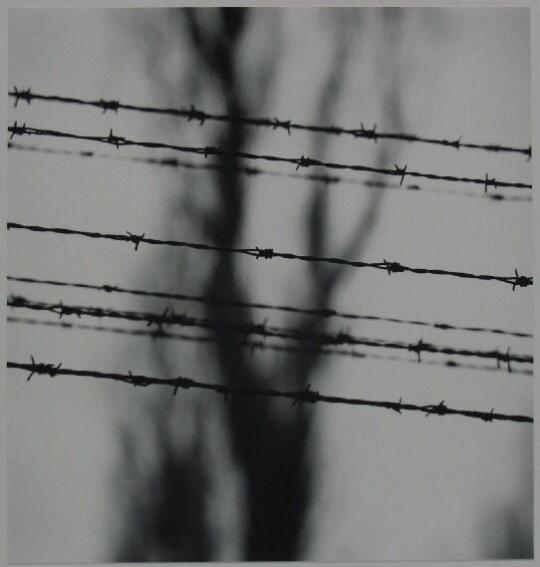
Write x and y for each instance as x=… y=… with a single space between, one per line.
x=272 y=123
x=301 y=162
x=256 y=345
x=303 y=396
x=255 y=171
x=49 y=369
x=169 y=317
x=517 y=280
x=221 y=302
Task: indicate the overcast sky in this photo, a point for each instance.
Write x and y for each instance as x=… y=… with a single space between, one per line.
x=414 y=488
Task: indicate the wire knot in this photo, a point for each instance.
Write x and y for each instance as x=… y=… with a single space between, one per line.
x=266 y=253
x=520 y=281
x=109 y=288
x=504 y=358
x=17 y=130
x=304 y=161
x=343 y=337
x=167 y=317
x=392 y=267
x=114 y=140
x=22 y=94
x=488 y=416
x=439 y=409
x=194 y=114
x=136 y=238
x=397 y=406
x=369 y=133
x=489 y=182
x=64 y=310
x=305 y=396
x=417 y=348
x=211 y=150
x=402 y=171
x=109 y=105
x=41 y=368
x=285 y=124
x=326 y=338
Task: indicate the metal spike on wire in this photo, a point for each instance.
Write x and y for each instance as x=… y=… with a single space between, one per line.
x=194 y=114
x=223 y=302
x=306 y=395
x=390 y=267
x=169 y=317
x=325 y=179
x=300 y=162
x=253 y=344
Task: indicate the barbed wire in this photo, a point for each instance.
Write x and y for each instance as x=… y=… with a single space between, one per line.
x=169 y=317
x=390 y=267
x=324 y=313
x=257 y=344
x=194 y=114
x=256 y=171
x=297 y=397
x=301 y=162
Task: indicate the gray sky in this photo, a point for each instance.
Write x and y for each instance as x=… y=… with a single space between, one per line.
x=413 y=488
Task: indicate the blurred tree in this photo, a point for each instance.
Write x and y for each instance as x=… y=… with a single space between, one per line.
x=167 y=504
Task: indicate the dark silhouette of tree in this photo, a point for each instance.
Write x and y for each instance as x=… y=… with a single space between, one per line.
x=270 y=444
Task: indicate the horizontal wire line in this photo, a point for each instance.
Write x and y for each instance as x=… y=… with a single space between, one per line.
x=301 y=162
x=255 y=171
x=324 y=313
x=168 y=317
x=297 y=397
x=254 y=344
x=268 y=253
x=273 y=123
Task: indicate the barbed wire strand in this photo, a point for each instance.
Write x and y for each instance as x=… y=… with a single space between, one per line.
x=221 y=302
x=169 y=317
x=257 y=344
x=194 y=114
x=301 y=162
x=297 y=397
x=268 y=253
x=256 y=171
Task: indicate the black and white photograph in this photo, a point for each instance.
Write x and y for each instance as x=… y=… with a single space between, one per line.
x=269 y=284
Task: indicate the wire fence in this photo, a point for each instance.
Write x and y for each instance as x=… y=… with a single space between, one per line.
x=327 y=180
x=300 y=162
x=297 y=397
x=390 y=267
x=262 y=336
x=258 y=345
x=222 y=302
x=169 y=317
x=198 y=115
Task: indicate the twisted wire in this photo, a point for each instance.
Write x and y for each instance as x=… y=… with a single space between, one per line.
x=218 y=301
x=296 y=397
x=267 y=253
x=194 y=114
x=301 y=162
x=169 y=317
x=256 y=344
x=256 y=171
